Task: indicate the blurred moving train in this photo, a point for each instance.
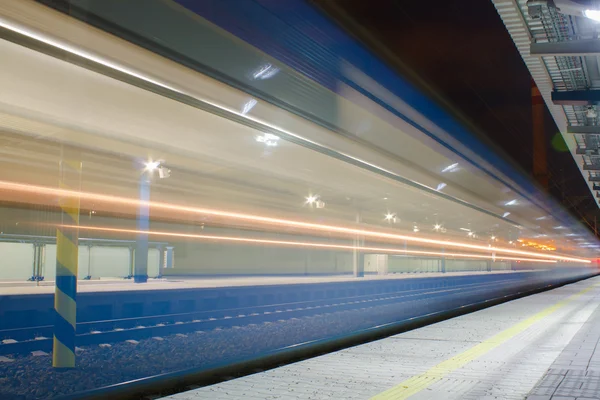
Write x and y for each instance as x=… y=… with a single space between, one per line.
x=266 y=140
x=248 y=141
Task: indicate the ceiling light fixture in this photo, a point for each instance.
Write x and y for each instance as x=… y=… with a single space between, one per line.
x=592 y=14
x=269 y=139
x=451 y=168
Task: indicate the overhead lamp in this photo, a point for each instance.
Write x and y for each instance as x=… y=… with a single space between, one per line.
x=151 y=165
x=415 y=229
x=470 y=234
x=506 y=214
x=265 y=72
x=440 y=186
x=268 y=139
x=315 y=200
x=391 y=217
x=513 y=202
x=592 y=14
x=437 y=227
x=493 y=238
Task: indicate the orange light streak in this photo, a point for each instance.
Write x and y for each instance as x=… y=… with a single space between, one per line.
x=43 y=190
x=300 y=244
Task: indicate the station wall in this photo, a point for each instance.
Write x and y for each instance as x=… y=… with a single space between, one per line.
x=16 y=261
x=198 y=257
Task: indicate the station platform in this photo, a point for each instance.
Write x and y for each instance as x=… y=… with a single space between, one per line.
x=539 y=347
x=204 y=282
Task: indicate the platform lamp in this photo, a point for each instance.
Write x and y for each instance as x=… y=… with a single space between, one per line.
x=140 y=269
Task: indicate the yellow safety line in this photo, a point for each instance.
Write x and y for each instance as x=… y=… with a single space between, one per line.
x=419 y=382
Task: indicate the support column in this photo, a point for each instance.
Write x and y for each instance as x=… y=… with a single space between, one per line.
x=161 y=260
x=443 y=263
x=170 y=257
x=88 y=276
x=34 y=266
x=358 y=257
x=140 y=272
x=41 y=261
x=131 y=262
x=67 y=249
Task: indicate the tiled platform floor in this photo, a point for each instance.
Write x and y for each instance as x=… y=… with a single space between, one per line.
x=541 y=345
x=575 y=374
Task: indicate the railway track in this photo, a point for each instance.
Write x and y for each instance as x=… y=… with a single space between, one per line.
x=39 y=338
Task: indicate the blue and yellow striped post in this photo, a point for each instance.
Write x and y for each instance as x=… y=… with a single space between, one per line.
x=67 y=250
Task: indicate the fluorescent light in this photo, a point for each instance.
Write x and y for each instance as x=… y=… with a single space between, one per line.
x=506 y=214
x=465 y=229
x=592 y=14
x=440 y=186
x=513 y=202
x=265 y=72
x=249 y=106
x=151 y=165
x=391 y=217
x=269 y=139
x=311 y=199
x=451 y=168
x=437 y=227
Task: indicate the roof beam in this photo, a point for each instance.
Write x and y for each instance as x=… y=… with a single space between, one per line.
x=570 y=48
x=576 y=97
x=586 y=130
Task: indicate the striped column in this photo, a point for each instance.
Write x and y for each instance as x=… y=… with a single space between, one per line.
x=67 y=238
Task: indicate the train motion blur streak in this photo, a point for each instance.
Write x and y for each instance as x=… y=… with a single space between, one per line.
x=291 y=201
x=256 y=218
x=308 y=244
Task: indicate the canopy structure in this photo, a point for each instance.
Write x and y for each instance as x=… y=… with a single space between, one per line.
x=558 y=41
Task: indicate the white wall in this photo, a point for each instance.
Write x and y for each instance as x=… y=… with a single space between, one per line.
x=153 y=262
x=16 y=261
x=399 y=264
x=49 y=262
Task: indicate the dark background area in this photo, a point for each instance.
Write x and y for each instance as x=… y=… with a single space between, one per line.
x=461 y=53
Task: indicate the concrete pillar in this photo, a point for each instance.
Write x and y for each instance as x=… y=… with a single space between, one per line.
x=131 y=262
x=170 y=257
x=161 y=260
x=443 y=263
x=358 y=258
